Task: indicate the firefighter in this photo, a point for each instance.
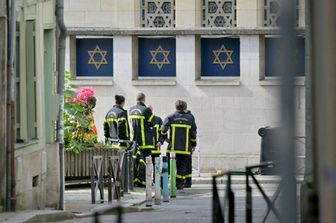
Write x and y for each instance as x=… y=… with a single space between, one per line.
x=182 y=140
x=157 y=123
x=116 y=124
x=141 y=122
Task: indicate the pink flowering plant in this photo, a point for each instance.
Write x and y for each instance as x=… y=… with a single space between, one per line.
x=76 y=118
x=83 y=94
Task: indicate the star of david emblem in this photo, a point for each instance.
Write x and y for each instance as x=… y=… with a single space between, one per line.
x=217 y=54
x=154 y=60
x=93 y=53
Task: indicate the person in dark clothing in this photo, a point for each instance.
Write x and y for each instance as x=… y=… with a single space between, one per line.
x=141 y=121
x=116 y=124
x=157 y=123
x=182 y=139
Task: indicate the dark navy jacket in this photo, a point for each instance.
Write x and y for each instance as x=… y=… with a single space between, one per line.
x=182 y=132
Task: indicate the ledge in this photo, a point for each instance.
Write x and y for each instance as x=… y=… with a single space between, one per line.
x=110 y=31
x=300 y=81
x=217 y=82
x=26 y=144
x=154 y=82
x=93 y=81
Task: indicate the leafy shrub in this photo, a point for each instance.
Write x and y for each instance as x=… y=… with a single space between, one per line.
x=77 y=117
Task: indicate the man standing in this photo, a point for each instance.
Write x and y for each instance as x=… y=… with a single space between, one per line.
x=141 y=121
x=182 y=135
x=157 y=123
x=116 y=123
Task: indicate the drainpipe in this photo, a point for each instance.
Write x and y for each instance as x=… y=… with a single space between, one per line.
x=10 y=202
x=309 y=195
x=60 y=88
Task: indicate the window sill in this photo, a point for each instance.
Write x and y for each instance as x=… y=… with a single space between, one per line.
x=154 y=82
x=299 y=81
x=217 y=82
x=93 y=81
x=26 y=144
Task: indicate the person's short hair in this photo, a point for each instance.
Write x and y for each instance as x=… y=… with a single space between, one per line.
x=91 y=101
x=119 y=99
x=179 y=105
x=185 y=106
x=141 y=97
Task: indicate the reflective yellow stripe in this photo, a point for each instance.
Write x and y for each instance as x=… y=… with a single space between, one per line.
x=164 y=133
x=141 y=161
x=193 y=140
x=184 y=177
x=147 y=147
x=115 y=119
x=156 y=151
x=151 y=118
x=143 y=139
x=178 y=152
x=181 y=126
x=136 y=117
x=126 y=126
x=158 y=148
x=173 y=139
x=187 y=127
x=157 y=128
x=139 y=181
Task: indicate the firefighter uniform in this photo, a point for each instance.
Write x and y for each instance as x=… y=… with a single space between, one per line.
x=182 y=135
x=157 y=121
x=141 y=122
x=116 y=126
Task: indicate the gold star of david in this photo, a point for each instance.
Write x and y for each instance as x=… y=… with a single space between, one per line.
x=92 y=54
x=165 y=54
x=217 y=54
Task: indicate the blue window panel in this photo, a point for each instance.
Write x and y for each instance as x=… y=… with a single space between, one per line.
x=272 y=51
x=157 y=57
x=220 y=57
x=94 y=57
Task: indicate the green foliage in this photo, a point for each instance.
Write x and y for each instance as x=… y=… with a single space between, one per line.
x=76 y=120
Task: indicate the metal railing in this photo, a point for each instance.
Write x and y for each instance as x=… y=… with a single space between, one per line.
x=218 y=213
x=218 y=210
x=97 y=179
x=120 y=173
x=269 y=201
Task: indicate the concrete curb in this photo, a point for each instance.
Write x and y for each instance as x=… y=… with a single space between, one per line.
x=37 y=216
x=242 y=179
x=126 y=208
x=54 y=215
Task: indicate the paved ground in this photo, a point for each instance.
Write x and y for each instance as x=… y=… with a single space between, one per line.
x=191 y=206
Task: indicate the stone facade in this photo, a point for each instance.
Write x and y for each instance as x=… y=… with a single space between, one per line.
x=229 y=111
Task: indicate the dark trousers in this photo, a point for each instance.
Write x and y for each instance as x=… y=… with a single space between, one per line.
x=189 y=172
x=182 y=169
x=140 y=167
